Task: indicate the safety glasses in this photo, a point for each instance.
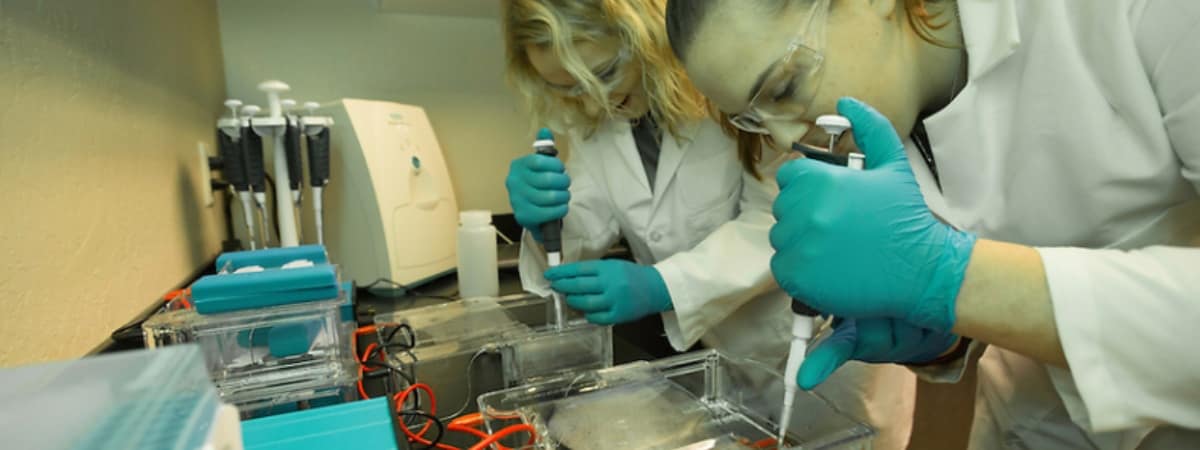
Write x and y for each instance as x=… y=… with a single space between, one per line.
x=609 y=75
x=787 y=91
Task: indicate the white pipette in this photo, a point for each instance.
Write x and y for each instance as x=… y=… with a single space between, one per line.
x=804 y=317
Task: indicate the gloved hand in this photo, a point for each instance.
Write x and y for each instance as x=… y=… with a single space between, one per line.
x=863 y=244
x=874 y=341
x=537 y=190
x=611 y=291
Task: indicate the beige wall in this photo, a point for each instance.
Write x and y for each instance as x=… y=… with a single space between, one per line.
x=102 y=104
x=451 y=66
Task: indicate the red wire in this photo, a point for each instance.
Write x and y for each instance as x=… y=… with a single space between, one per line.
x=511 y=429
x=467 y=424
x=362 y=392
x=464 y=424
x=366 y=354
x=362 y=359
x=181 y=295
x=472 y=431
x=402 y=397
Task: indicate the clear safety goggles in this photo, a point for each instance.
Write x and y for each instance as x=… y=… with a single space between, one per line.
x=787 y=91
x=609 y=76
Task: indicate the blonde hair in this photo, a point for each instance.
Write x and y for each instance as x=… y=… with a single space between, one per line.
x=560 y=24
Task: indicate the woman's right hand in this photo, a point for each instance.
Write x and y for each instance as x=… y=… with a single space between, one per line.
x=537 y=190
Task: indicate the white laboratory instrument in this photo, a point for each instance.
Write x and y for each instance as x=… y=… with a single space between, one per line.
x=392 y=213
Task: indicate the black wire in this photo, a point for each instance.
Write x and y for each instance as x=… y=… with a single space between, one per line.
x=393 y=369
x=440 y=426
x=410 y=341
x=389 y=284
x=391 y=386
x=408 y=291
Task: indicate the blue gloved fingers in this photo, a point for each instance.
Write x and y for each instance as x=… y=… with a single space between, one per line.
x=572 y=270
x=789 y=235
x=531 y=216
x=544 y=197
x=589 y=303
x=827 y=356
x=905 y=339
x=542 y=163
x=781 y=268
x=578 y=286
x=873 y=133
x=798 y=172
x=602 y=318
x=875 y=340
x=557 y=181
x=537 y=190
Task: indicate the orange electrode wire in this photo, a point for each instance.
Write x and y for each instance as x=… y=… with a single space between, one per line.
x=511 y=429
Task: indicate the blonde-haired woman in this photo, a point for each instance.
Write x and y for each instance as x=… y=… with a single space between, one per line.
x=647 y=164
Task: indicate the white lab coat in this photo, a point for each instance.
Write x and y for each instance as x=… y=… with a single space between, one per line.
x=704 y=227
x=1079 y=133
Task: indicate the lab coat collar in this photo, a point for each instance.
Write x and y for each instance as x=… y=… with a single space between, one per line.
x=621 y=135
x=671 y=157
x=991 y=32
x=672 y=154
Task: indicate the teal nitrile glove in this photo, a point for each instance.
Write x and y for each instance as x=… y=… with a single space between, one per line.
x=611 y=291
x=863 y=244
x=537 y=190
x=873 y=341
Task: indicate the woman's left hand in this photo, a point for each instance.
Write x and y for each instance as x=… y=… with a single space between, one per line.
x=611 y=291
x=863 y=244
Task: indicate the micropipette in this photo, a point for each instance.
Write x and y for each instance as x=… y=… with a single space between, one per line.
x=231 y=149
x=804 y=316
x=316 y=133
x=551 y=231
x=252 y=147
x=295 y=164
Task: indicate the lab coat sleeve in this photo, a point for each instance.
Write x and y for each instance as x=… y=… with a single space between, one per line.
x=1128 y=326
x=1128 y=320
x=725 y=270
x=589 y=228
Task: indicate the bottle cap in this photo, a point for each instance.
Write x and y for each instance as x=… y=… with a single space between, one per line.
x=475 y=218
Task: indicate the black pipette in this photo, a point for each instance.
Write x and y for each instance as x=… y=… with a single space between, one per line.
x=256 y=175
x=295 y=164
x=233 y=164
x=552 y=230
x=318 y=165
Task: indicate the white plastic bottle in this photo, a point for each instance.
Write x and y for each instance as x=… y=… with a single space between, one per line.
x=478 y=275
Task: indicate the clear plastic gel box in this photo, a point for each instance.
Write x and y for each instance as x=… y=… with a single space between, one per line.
x=468 y=347
x=276 y=346
x=701 y=400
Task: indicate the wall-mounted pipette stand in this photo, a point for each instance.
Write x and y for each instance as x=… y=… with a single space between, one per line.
x=241 y=163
